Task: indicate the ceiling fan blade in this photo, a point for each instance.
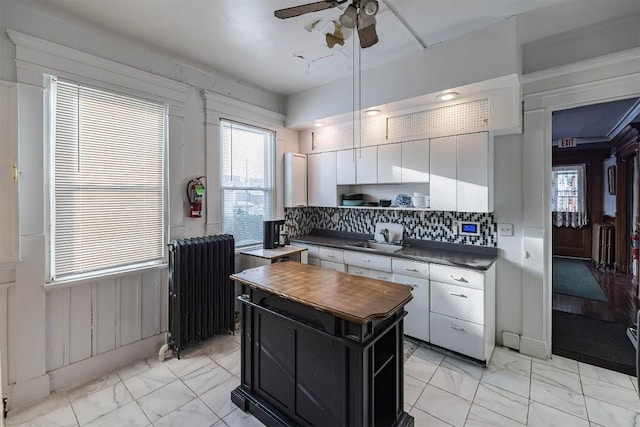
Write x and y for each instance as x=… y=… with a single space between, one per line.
x=290 y=12
x=368 y=36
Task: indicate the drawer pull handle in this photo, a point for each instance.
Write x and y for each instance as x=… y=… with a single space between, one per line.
x=382 y=277
x=358 y=271
x=458 y=278
x=365 y=260
x=331 y=256
x=457 y=328
x=457 y=295
x=415 y=270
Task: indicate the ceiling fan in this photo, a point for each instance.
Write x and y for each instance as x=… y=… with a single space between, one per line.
x=359 y=14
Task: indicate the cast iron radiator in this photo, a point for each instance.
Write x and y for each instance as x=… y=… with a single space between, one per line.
x=201 y=295
x=602 y=245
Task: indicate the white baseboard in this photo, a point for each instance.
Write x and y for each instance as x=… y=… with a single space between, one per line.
x=511 y=340
x=95 y=367
x=533 y=347
x=29 y=391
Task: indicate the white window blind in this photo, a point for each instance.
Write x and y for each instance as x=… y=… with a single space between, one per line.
x=107 y=201
x=247 y=163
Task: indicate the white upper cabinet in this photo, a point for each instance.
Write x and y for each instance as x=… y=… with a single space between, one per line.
x=390 y=163
x=346 y=167
x=462 y=173
x=443 y=171
x=415 y=161
x=475 y=173
x=9 y=176
x=295 y=180
x=367 y=165
x=322 y=187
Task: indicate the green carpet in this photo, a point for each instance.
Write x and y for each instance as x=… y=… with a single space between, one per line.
x=573 y=277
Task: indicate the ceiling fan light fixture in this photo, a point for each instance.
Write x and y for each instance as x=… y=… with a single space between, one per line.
x=372 y=112
x=349 y=17
x=370 y=7
x=447 y=96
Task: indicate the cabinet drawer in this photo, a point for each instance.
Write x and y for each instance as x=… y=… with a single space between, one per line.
x=311 y=250
x=457 y=335
x=358 y=271
x=333 y=255
x=458 y=301
x=335 y=266
x=457 y=276
x=375 y=262
x=410 y=268
x=382 y=275
x=314 y=261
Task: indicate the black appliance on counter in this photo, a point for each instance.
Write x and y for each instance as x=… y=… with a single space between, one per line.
x=271 y=233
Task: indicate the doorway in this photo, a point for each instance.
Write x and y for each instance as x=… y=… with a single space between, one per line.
x=594 y=296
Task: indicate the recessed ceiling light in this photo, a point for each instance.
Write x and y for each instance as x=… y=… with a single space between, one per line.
x=448 y=96
x=372 y=112
x=318 y=124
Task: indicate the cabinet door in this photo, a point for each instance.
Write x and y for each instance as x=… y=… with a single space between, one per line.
x=415 y=161
x=367 y=165
x=473 y=173
x=416 y=324
x=345 y=167
x=322 y=189
x=295 y=180
x=442 y=167
x=389 y=163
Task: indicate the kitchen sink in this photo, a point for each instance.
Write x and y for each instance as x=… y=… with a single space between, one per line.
x=375 y=246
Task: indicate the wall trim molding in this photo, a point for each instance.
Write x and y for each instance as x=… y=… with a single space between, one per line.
x=35 y=56
x=217 y=105
x=533 y=347
x=25 y=392
x=589 y=64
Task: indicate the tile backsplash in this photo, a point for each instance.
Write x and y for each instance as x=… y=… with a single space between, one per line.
x=427 y=225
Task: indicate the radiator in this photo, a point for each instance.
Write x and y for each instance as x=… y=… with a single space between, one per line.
x=201 y=295
x=602 y=245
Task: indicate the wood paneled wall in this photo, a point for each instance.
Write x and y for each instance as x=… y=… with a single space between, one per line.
x=88 y=320
x=576 y=242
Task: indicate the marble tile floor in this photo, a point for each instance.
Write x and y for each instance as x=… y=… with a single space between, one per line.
x=440 y=390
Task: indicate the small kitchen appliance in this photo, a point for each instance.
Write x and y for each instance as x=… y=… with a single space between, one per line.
x=271 y=233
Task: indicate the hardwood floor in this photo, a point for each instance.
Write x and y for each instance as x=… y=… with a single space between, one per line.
x=620 y=290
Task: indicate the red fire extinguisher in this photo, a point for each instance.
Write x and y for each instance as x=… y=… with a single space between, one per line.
x=635 y=249
x=195 y=193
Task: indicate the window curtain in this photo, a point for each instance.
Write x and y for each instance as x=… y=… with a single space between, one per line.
x=568 y=196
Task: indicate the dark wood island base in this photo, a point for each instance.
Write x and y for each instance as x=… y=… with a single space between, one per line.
x=321 y=348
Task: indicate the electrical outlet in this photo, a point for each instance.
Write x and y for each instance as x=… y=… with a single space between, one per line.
x=505 y=229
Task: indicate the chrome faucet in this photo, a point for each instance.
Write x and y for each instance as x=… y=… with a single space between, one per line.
x=385 y=234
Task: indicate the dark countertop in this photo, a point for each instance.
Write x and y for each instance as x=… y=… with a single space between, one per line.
x=467 y=256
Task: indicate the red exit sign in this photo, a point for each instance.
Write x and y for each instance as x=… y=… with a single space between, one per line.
x=567 y=142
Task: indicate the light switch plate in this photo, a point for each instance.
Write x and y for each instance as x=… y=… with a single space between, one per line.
x=505 y=229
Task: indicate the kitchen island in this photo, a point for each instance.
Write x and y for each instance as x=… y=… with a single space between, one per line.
x=321 y=348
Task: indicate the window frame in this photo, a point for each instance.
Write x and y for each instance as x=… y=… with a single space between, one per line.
x=49 y=161
x=271 y=171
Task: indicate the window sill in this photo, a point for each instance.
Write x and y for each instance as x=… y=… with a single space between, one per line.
x=72 y=282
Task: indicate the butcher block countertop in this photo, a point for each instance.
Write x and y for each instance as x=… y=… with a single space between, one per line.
x=354 y=298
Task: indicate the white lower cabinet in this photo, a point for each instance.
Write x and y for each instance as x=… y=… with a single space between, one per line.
x=416 y=324
x=462 y=314
x=458 y=335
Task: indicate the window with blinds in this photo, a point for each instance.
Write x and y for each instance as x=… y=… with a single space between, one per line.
x=246 y=172
x=107 y=191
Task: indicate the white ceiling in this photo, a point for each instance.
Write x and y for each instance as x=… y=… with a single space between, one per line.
x=243 y=39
